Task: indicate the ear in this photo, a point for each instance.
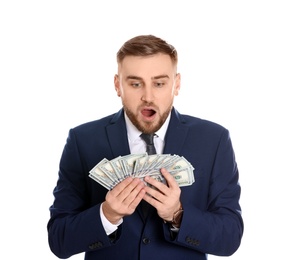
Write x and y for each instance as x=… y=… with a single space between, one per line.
x=177 y=84
x=117 y=85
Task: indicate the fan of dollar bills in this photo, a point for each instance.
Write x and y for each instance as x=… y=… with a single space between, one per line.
x=109 y=173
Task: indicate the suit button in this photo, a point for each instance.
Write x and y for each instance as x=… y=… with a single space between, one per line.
x=95 y=245
x=191 y=241
x=146 y=240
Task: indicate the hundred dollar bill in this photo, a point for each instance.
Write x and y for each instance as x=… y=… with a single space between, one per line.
x=128 y=162
x=111 y=172
x=178 y=167
x=99 y=176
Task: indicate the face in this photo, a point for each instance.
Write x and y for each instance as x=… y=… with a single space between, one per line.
x=147 y=87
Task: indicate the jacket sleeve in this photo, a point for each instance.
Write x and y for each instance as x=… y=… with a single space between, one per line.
x=73 y=226
x=216 y=229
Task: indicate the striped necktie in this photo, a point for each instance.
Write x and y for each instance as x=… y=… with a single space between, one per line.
x=150 y=149
x=149 y=140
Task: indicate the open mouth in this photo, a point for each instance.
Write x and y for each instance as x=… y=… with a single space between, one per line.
x=148 y=112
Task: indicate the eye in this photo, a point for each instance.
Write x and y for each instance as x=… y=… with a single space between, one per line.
x=135 y=84
x=159 y=84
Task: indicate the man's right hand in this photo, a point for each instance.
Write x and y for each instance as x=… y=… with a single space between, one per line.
x=123 y=199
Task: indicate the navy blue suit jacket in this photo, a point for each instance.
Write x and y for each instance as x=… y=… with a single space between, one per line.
x=211 y=224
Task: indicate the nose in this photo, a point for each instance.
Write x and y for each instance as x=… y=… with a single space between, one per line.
x=147 y=94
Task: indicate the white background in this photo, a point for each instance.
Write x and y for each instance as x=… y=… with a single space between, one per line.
x=57 y=62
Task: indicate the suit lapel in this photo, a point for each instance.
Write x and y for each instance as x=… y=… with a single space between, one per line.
x=117 y=135
x=176 y=134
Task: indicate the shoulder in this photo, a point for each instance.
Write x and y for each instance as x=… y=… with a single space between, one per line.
x=199 y=124
x=99 y=124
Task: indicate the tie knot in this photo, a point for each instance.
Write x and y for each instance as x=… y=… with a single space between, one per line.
x=149 y=140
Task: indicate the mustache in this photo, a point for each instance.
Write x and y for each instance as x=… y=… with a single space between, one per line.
x=148 y=104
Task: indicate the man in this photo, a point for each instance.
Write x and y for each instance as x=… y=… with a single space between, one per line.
x=180 y=222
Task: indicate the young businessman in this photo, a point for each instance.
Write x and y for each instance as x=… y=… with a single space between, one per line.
x=159 y=220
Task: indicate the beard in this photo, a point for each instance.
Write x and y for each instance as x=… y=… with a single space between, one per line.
x=147 y=127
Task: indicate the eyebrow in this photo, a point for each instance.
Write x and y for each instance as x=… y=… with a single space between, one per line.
x=140 y=78
x=133 y=77
x=160 y=76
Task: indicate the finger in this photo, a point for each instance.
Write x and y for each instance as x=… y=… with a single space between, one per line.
x=135 y=191
x=121 y=186
x=151 y=200
x=157 y=184
x=152 y=194
x=124 y=188
x=125 y=197
x=134 y=203
x=169 y=178
x=113 y=196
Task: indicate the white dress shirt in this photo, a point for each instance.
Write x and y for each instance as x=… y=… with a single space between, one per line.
x=137 y=145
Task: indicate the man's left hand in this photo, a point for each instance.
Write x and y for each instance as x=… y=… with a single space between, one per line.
x=165 y=198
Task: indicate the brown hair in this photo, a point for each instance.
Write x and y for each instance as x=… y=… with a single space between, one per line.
x=146 y=45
